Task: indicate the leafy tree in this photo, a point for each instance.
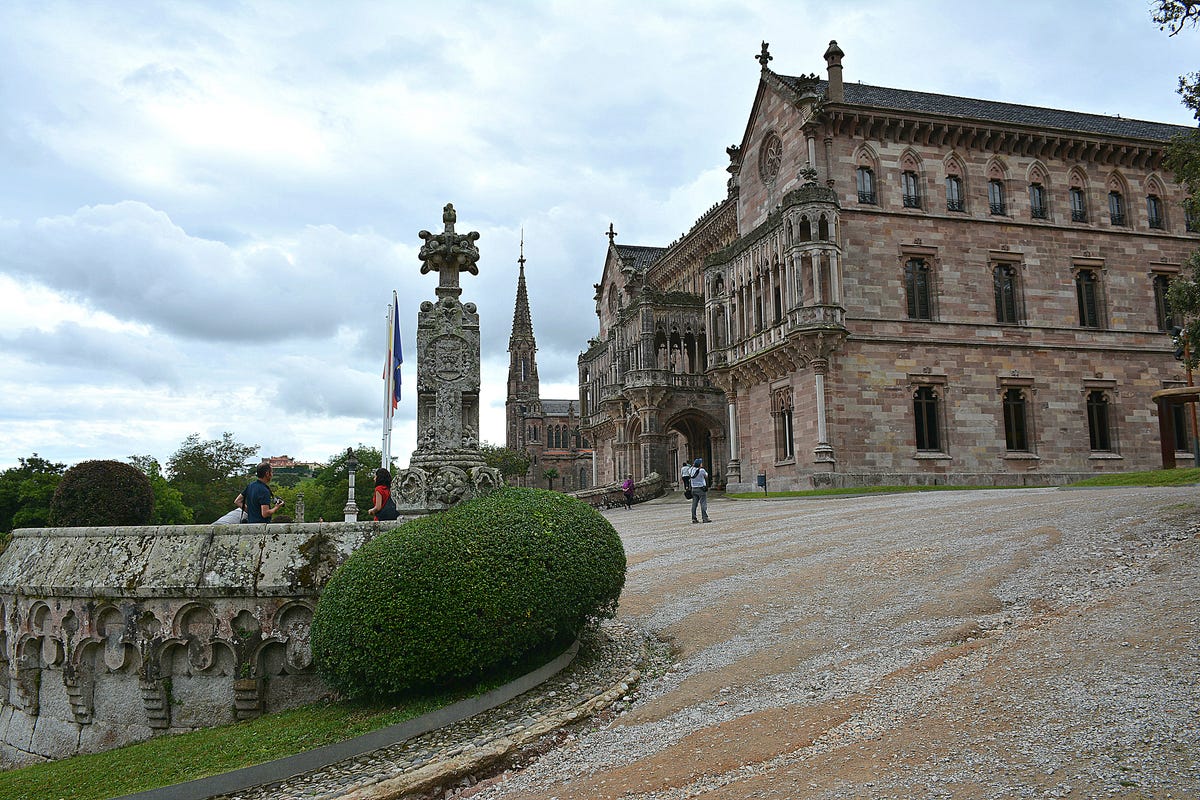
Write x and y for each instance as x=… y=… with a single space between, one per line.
x=511 y=463
x=329 y=487
x=169 y=508
x=1182 y=157
x=26 y=491
x=550 y=474
x=209 y=474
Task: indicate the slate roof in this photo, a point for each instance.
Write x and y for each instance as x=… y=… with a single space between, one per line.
x=640 y=256
x=555 y=408
x=860 y=94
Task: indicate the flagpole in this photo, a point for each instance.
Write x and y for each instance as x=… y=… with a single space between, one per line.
x=389 y=375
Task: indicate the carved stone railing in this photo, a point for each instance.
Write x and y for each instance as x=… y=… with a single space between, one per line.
x=611 y=496
x=113 y=635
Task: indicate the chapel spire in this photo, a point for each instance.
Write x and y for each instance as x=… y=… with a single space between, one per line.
x=522 y=327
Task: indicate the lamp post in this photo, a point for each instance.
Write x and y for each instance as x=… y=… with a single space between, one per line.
x=351 y=466
x=299 y=506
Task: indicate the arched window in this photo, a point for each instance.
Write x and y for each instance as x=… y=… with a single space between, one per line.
x=954 y=194
x=996 y=204
x=1154 y=212
x=1116 y=207
x=1037 y=201
x=909 y=187
x=865 y=178
x=805 y=230
x=823 y=228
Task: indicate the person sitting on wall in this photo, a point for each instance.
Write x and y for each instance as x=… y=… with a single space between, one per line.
x=384 y=508
x=232 y=517
x=256 y=498
x=627 y=491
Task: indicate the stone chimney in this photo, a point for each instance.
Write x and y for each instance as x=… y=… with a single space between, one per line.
x=833 y=59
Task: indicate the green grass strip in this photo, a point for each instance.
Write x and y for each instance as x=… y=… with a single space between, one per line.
x=171 y=759
x=1153 y=477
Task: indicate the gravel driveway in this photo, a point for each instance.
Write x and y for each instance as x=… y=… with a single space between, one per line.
x=990 y=644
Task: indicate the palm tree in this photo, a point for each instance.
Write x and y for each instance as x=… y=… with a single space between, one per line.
x=550 y=474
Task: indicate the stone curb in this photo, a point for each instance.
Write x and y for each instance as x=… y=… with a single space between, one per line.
x=284 y=768
x=487 y=755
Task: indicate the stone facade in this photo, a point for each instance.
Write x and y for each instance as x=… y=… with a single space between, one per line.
x=900 y=287
x=113 y=635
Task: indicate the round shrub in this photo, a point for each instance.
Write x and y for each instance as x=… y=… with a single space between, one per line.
x=102 y=493
x=455 y=595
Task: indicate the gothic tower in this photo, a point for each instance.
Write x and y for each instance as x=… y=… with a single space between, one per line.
x=523 y=408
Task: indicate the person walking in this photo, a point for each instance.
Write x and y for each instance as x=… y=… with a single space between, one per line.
x=256 y=499
x=699 y=483
x=627 y=491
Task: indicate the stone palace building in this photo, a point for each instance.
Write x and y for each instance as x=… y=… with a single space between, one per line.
x=900 y=287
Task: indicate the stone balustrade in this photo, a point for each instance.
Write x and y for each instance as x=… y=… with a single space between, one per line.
x=113 y=635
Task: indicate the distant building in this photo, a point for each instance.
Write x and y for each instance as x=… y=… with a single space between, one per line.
x=900 y=287
x=548 y=430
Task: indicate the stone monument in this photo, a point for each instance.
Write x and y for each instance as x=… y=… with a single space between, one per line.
x=447 y=465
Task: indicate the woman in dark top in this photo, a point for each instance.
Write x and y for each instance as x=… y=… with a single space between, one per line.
x=383 y=490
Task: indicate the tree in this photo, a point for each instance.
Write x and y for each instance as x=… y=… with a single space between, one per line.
x=550 y=473
x=26 y=491
x=1182 y=157
x=210 y=473
x=511 y=463
x=325 y=494
x=169 y=508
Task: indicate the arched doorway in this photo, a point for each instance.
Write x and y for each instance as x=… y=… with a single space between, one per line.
x=695 y=434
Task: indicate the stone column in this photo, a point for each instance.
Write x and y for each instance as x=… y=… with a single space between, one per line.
x=734 y=468
x=823 y=452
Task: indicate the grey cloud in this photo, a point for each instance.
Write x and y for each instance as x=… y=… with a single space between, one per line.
x=78 y=354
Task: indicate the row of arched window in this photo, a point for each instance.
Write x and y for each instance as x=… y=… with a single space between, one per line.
x=999 y=202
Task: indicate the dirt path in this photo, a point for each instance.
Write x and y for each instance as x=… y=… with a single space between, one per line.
x=1033 y=643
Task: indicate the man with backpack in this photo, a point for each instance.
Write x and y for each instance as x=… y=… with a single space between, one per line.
x=695 y=485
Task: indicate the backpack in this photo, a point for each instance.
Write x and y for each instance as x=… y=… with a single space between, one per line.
x=389 y=511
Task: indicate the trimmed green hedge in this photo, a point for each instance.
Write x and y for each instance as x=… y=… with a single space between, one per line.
x=455 y=595
x=102 y=493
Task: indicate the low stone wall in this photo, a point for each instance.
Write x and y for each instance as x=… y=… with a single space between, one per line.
x=113 y=635
x=611 y=496
x=853 y=480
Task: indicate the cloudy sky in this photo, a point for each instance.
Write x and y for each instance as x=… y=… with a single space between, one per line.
x=204 y=207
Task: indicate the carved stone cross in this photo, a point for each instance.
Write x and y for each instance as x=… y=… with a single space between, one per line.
x=449 y=253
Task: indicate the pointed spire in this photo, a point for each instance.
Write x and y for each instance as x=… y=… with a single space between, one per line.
x=522 y=327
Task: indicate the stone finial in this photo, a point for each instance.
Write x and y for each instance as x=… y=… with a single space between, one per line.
x=808 y=175
x=764 y=56
x=449 y=253
x=612 y=234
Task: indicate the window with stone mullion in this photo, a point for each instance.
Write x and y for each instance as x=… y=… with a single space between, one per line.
x=1016 y=438
x=917 y=289
x=925 y=414
x=1099 y=434
x=1004 y=284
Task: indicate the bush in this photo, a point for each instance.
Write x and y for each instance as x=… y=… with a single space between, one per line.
x=457 y=595
x=102 y=493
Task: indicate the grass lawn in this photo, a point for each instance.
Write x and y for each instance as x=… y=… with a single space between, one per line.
x=1153 y=477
